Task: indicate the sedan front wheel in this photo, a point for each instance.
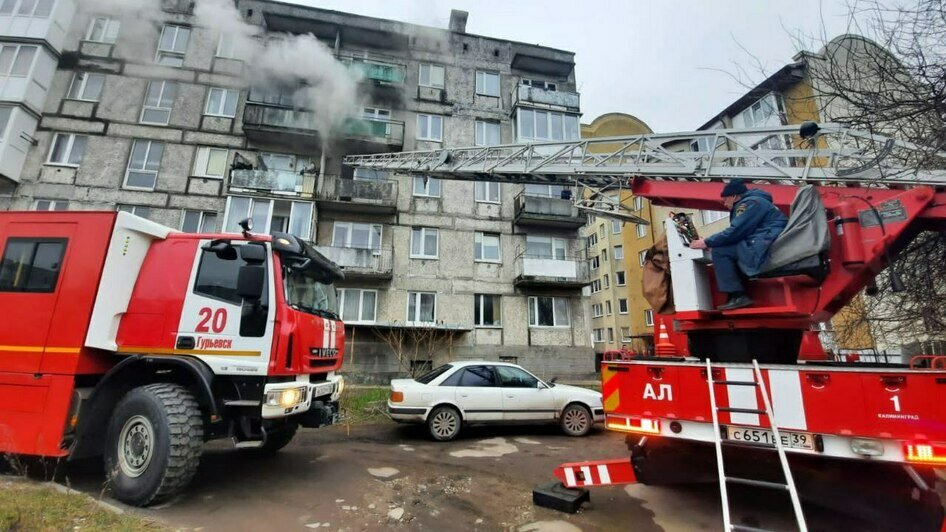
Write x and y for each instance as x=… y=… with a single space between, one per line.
x=576 y=420
x=443 y=423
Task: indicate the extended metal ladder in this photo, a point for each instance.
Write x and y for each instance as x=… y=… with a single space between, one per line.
x=823 y=154
x=789 y=484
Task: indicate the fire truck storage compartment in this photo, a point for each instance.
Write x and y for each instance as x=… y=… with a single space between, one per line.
x=768 y=346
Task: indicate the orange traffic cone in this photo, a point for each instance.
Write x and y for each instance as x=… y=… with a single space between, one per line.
x=664 y=347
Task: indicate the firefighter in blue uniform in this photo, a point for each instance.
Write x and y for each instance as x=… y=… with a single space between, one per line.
x=754 y=223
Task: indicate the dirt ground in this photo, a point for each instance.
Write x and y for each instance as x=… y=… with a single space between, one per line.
x=386 y=475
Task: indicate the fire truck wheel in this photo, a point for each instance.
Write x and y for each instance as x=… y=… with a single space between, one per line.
x=154 y=442
x=443 y=423
x=576 y=420
x=278 y=439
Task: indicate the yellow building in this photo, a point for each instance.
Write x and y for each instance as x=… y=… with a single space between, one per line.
x=620 y=315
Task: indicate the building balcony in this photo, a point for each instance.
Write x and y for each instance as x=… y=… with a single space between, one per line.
x=546 y=211
x=361 y=264
x=273 y=181
x=280 y=125
x=527 y=96
x=362 y=195
x=374 y=134
x=536 y=271
x=378 y=72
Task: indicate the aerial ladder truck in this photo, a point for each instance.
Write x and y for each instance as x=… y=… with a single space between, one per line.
x=755 y=379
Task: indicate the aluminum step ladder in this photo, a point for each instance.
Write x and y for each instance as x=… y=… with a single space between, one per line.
x=789 y=484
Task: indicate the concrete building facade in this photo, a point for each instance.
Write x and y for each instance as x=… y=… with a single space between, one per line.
x=161 y=115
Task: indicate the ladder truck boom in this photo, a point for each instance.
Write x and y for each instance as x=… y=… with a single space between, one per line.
x=757 y=377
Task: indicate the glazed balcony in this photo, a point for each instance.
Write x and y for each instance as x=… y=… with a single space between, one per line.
x=545 y=211
x=526 y=96
x=363 y=195
x=542 y=271
x=363 y=264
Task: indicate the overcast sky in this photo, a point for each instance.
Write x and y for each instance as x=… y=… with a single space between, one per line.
x=670 y=63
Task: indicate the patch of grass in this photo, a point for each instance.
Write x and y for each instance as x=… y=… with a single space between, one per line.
x=364 y=403
x=26 y=505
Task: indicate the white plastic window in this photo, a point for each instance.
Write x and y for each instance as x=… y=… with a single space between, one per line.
x=548 y=312
x=67 y=149
x=159 y=100
x=172 y=45
x=103 y=30
x=487 y=83
x=425 y=243
x=421 y=307
x=430 y=127
x=86 y=87
x=211 y=162
x=222 y=102
x=486 y=247
x=431 y=76
x=144 y=164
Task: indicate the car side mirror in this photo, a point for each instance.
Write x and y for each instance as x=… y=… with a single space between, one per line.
x=553 y=379
x=250 y=281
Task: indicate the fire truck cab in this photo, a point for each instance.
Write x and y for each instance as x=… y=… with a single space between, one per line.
x=127 y=339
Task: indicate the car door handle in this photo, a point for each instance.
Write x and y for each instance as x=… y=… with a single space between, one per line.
x=464 y=395
x=511 y=396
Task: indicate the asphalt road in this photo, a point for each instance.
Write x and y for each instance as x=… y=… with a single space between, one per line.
x=385 y=475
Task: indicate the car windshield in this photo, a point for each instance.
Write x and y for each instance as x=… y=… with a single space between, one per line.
x=309 y=295
x=433 y=374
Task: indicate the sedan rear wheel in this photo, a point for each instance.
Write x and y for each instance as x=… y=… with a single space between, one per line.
x=576 y=420
x=443 y=423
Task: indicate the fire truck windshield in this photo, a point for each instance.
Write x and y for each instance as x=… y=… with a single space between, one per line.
x=305 y=293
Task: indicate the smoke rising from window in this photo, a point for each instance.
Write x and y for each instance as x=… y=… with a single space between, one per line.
x=299 y=65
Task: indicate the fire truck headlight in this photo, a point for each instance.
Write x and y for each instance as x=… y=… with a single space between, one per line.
x=285 y=398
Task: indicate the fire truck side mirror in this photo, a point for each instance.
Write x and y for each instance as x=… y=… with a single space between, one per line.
x=250 y=281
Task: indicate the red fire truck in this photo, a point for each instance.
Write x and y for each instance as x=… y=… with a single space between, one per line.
x=127 y=339
x=754 y=379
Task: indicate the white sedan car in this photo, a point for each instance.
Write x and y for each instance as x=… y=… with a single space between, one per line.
x=473 y=392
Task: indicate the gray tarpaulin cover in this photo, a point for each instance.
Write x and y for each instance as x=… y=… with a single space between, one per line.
x=805 y=235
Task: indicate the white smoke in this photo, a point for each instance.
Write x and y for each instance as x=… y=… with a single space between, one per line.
x=139 y=30
x=298 y=64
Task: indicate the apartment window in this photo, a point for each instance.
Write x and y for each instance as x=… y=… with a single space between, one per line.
x=356 y=235
x=487 y=83
x=607 y=305
x=103 y=30
x=604 y=254
x=86 y=87
x=622 y=306
x=486 y=247
x=143 y=164
x=642 y=256
x=137 y=210
x=430 y=127
x=713 y=216
x=598 y=335
x=618 y=252
x=158 y=102
x=67 y=149
x=547 y=191
x=610 y=335
x=199 y=222
x=486 y=192
x=222 y=102
x=625 y=334
x=649 y=317
x=173 y=45
x=16 y=59
x=539 y=84
x=546 y=125
x=592 y=240
x=606 y=281
x=226 y=47
x=638 y=203
x=426 y=186
x=616 y=226
x=50 y=205
x=619 y=279
x=424 y=243
x=357 y=306
x=487 y=310
x=641 y=230
x=595 y=262
x=211 y=162
x=27 y=8
x=431 y=76
x=544 y=247
x=294 y=217
x=486 y=133
x=548 y=311
x=31 y=264
x=421 y=307
x=597 y=310
x=595 y=286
